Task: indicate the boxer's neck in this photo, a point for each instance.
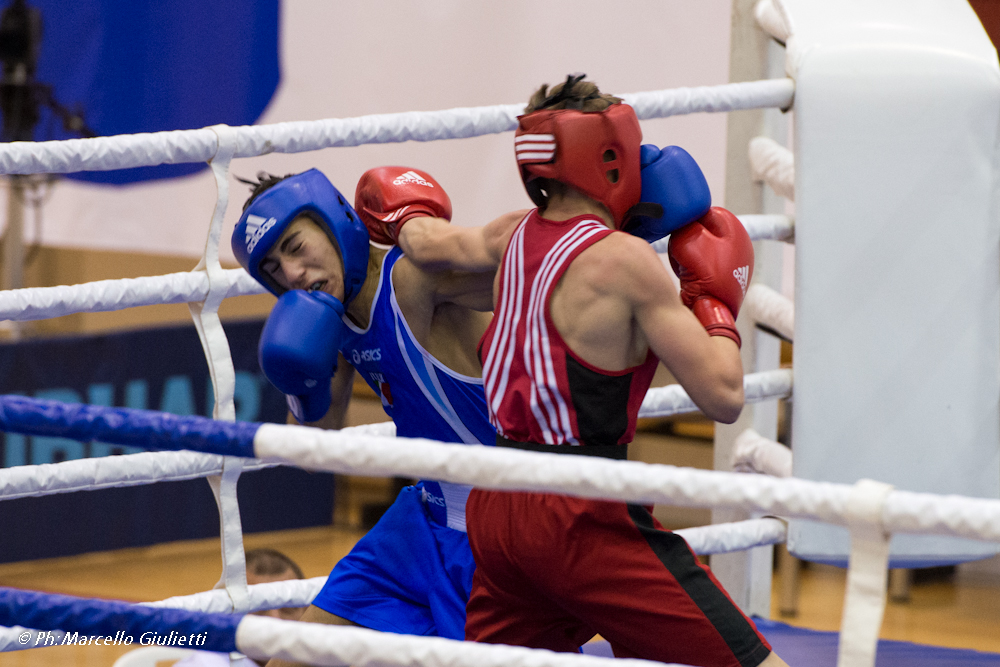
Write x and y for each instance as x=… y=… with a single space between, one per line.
x=360 y=308
x=570 y=203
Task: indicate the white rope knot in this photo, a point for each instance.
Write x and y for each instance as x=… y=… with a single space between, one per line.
x=754 y=453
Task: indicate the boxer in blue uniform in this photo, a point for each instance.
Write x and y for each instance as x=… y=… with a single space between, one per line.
x=411 y=333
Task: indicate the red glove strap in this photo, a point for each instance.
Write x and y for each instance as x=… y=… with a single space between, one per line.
x=716 y=319
x=393 y=221
x=412 y=211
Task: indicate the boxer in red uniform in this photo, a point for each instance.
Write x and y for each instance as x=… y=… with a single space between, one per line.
x=583 y=314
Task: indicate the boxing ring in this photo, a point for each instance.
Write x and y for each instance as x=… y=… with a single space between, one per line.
x=220 y=449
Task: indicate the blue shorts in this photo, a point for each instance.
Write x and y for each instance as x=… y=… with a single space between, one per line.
x=409 y=575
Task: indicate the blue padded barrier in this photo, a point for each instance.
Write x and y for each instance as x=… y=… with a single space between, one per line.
x=110 y=619
x=800 y=646
x=126 y=426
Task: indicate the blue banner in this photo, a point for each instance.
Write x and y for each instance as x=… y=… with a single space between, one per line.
x=159 y=369
x=147 y=65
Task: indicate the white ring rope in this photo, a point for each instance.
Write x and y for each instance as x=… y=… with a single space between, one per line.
x=766 y=385
x=754 y=453
x=766 y=94
x=273 y=595
x=138 y=150
x=109 y=472
x=724 y=538
x=703 y=540
x=507 y=469
x=334 y=646
x=39 y=303
x=131 y=469
x=202 y=145
x=759 y=228
x=769 y=227
x=757 y=387
x=774 y=164
x=150 y=467
x=771 y=309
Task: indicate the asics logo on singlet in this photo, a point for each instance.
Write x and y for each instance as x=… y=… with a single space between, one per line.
x=357 y=356
x=256 y=228
x=741 y=274
x=434 y=500
x=411 y=178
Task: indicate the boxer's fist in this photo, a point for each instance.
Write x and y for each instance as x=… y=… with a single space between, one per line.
x=389 y=196
x=713 y=258
x=674 y=193
x=298 y=350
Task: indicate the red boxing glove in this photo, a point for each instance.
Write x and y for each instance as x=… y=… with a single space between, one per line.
x=713 y=257
x=389 y=196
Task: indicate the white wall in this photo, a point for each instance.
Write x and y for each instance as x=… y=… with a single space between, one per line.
x=350 y=59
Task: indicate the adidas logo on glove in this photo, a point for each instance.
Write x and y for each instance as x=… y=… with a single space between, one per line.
x=741 y=277
x=256 y=228
x=411 y=178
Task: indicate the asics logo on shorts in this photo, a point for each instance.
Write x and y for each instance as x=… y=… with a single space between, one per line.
x=411 y=178
x=741 y=275
x=256 y=228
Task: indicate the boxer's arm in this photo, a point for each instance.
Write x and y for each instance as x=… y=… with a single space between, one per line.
x=421 y=290
x=708 y=367
x=471 y=290
x=452 y=264
x=434 y=245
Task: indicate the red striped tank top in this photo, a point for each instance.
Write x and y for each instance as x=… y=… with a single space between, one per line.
x=537 y=389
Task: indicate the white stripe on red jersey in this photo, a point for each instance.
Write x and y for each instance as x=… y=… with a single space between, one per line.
x=555 y=422
x=509 y=314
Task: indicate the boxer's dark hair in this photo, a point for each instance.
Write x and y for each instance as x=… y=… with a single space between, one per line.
x=573 y=93
x=269 y=562
x=264 y=182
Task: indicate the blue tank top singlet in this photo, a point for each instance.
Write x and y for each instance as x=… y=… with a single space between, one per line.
x=424 y=398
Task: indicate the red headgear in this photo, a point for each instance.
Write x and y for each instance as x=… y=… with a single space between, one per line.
x=595 y=152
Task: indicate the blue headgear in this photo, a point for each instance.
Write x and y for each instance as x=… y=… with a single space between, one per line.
x=267 y=217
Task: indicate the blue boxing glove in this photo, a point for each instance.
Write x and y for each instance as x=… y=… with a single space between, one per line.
x=674 y=193
x=298 y=350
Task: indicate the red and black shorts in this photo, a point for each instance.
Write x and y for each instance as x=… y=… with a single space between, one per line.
x=552 y=571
